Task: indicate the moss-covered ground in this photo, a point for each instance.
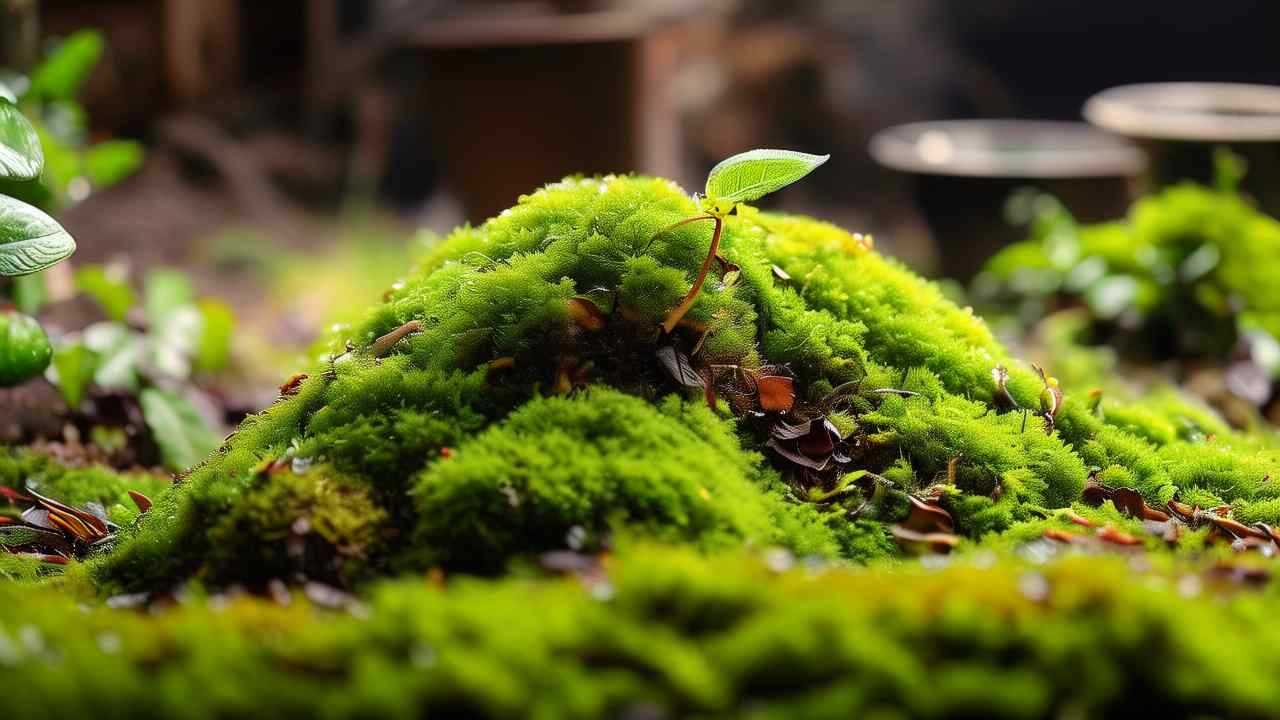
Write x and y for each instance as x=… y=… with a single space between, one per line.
x=513 y=408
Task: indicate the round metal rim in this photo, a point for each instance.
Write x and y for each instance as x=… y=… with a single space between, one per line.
x=1194 y=111
x=1053 y=150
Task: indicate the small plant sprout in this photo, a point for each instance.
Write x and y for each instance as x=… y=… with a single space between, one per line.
x=1050 y=398
x=743 y=178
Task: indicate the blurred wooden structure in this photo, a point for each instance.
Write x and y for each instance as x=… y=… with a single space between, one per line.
x=517 y=101
x=509 y=95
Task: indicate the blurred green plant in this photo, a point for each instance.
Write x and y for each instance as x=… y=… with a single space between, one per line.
x=149 y=347
x=46 y=129
x=1188 y=276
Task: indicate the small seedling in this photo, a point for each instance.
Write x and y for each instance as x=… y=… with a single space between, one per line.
x=743 y=178
x=1050 y=398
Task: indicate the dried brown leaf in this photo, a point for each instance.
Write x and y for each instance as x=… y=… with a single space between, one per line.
x=777 y=393
x=586 y=314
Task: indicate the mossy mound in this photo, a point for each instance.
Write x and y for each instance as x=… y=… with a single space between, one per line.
x=670 y=633
x=441 y=438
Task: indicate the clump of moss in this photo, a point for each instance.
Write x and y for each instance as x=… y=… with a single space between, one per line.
x=562 y=467
x=672 y=633
x=1185 y=276
x=441 y=407
x=293 y=519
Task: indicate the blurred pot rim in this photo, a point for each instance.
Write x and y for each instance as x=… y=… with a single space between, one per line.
x=1006 y=148
x=1195 y=111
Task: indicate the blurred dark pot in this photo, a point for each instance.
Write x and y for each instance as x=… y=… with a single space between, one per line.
x=963 y=172
x=1180 y=125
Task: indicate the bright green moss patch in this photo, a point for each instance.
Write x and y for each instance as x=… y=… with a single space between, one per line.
x=675 y=634
x=458 y=443
x=561 y=467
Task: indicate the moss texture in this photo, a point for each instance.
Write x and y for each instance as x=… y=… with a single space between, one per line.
x=455 y=437
x=529 y=405
x=663 y=633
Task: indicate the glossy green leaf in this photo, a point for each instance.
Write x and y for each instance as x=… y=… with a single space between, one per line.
x=24 y=348
x=109 y=289
x=213 y=350
x=751 y=175
x=107 y=163
x=73 y=369
x=21 y=157
x=7 y=93
x=66 y=69
x=30 y=240
x=181 y=434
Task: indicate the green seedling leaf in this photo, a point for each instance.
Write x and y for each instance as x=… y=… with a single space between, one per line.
x=109 y=288
x=751 y=175
x=181 y=434
x=21 y=157
x=24 y=348
x=30 y=240
x=66 y=69
x=213 y=349
x=107 y=163
x=72 y=371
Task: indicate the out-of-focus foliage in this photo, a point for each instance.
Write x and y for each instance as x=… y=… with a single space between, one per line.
x=1187 y=275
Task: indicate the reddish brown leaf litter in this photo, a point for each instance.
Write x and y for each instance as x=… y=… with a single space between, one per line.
x=383 y=345
x=1168 y=524
x=142 y=501
x=292 y=385
x=934 y=542
x=586 y=314
x=777 y=393
x=927 y=517
x=52 y=531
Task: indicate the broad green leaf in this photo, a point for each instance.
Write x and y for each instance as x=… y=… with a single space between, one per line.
x=66 y=69
x=72 y=371
x=21 y=157
x=752 y=175
x=107 y=163
x=108 y=288
x=30 y=240
x=164 y=291
x=181 y=434
x=213 y=350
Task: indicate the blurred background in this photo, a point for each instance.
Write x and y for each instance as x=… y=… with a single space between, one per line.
x=435 y=111
x=291 y=157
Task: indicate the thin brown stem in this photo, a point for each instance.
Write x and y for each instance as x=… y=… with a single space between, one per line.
x=673 y=226
x=679 y=311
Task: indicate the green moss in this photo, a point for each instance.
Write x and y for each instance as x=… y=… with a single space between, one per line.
x=472 y=464
x=79 y=486
x=671 y=633
x=504 y=428
x=294 y=519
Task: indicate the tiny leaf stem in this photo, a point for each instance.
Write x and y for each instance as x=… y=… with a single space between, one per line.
x=673 y=226
x=679 y=311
